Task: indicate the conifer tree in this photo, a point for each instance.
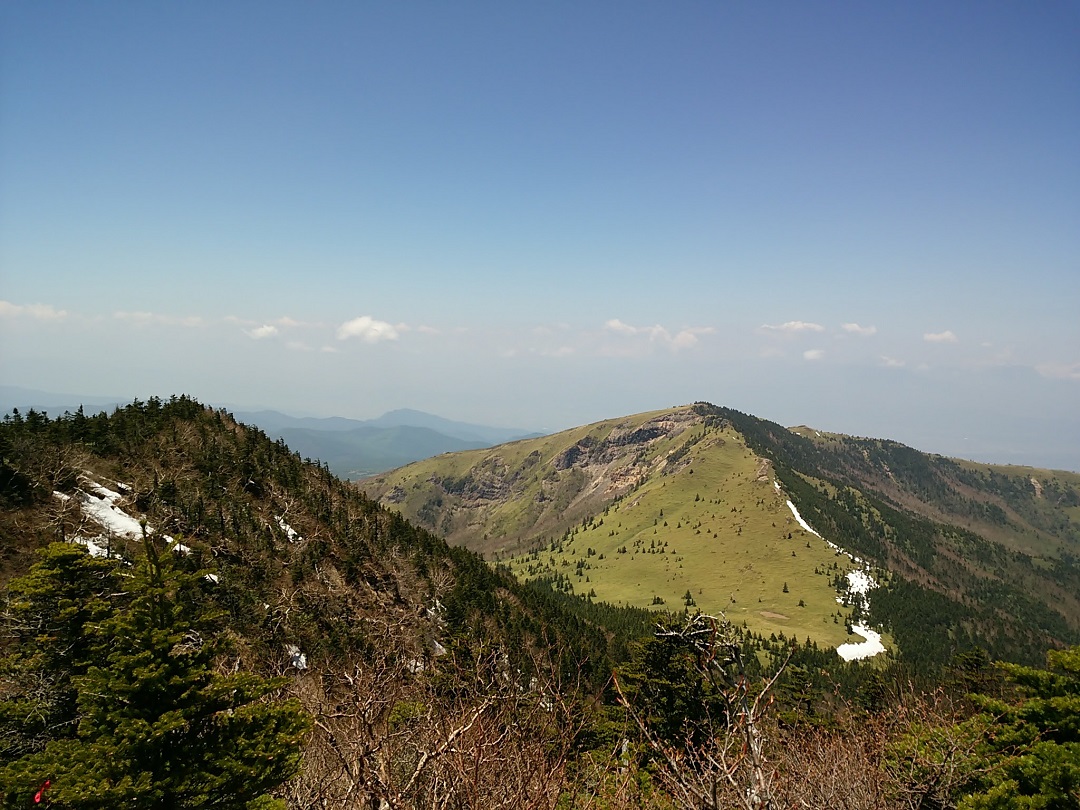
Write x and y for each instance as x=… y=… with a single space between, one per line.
x=157 y=726
x=1032 y=755
x=47 y=615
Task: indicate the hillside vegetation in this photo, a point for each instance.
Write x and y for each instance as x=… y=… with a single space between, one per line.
x=641 y=511
x=192 y=616
x=688 y=506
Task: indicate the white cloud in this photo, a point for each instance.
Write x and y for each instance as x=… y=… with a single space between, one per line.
x=813 y=354
x=284 y=322
x=856 y=329
x=369 y=330
x=1059 y=371
x=41 y=312
x=940 y=337
x=892 y=362
x=793 y=327
x=44 y=312
x=689 y=337
x=135 y=317
x=615 y=325
x=683 y=339
x=328 y=350
x=260 y=332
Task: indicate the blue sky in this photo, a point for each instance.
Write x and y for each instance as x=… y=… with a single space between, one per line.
x=864 y=217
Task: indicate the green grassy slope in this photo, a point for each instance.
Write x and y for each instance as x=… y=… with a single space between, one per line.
x=636 y=511
x=984 y=556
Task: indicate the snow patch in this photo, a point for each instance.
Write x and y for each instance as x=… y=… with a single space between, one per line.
x=856 y=650
x=436 y=611
x=91 y=545
x=113 y=519
x=99 y=503
x=110 y=495
x=289 y=531
x=810 y=529
x=296 y=656
x=799 y=517
x=859 y=582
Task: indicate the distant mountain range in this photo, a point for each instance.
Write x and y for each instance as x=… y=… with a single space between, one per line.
x=355 y=448
x=350 y=448
x=13 y=396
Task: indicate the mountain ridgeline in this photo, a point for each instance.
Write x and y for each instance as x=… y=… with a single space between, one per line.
x=688 y=507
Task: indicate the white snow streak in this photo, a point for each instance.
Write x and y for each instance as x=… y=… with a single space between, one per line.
x=104 y=511
x=799 y=518
x=92 y=548
x=859 y=582
x=289 y=531
x=296 y=656
x=855 y=650
x=100 y=505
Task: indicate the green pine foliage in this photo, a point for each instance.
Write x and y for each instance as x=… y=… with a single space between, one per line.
x=49 y=615
x=122 y=665
x=1031 y=757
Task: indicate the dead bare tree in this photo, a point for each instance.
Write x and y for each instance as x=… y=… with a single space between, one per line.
x=833 y=769
x=727 y=765
x=412 y=730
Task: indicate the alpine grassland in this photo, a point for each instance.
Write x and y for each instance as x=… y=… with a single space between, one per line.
x=716 y=536
x=656 y=510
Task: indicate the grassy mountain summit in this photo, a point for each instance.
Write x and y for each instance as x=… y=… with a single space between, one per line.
x=642 y=511
x=689 y=506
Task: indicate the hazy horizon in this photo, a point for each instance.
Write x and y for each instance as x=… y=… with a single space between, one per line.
x=864 y=218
